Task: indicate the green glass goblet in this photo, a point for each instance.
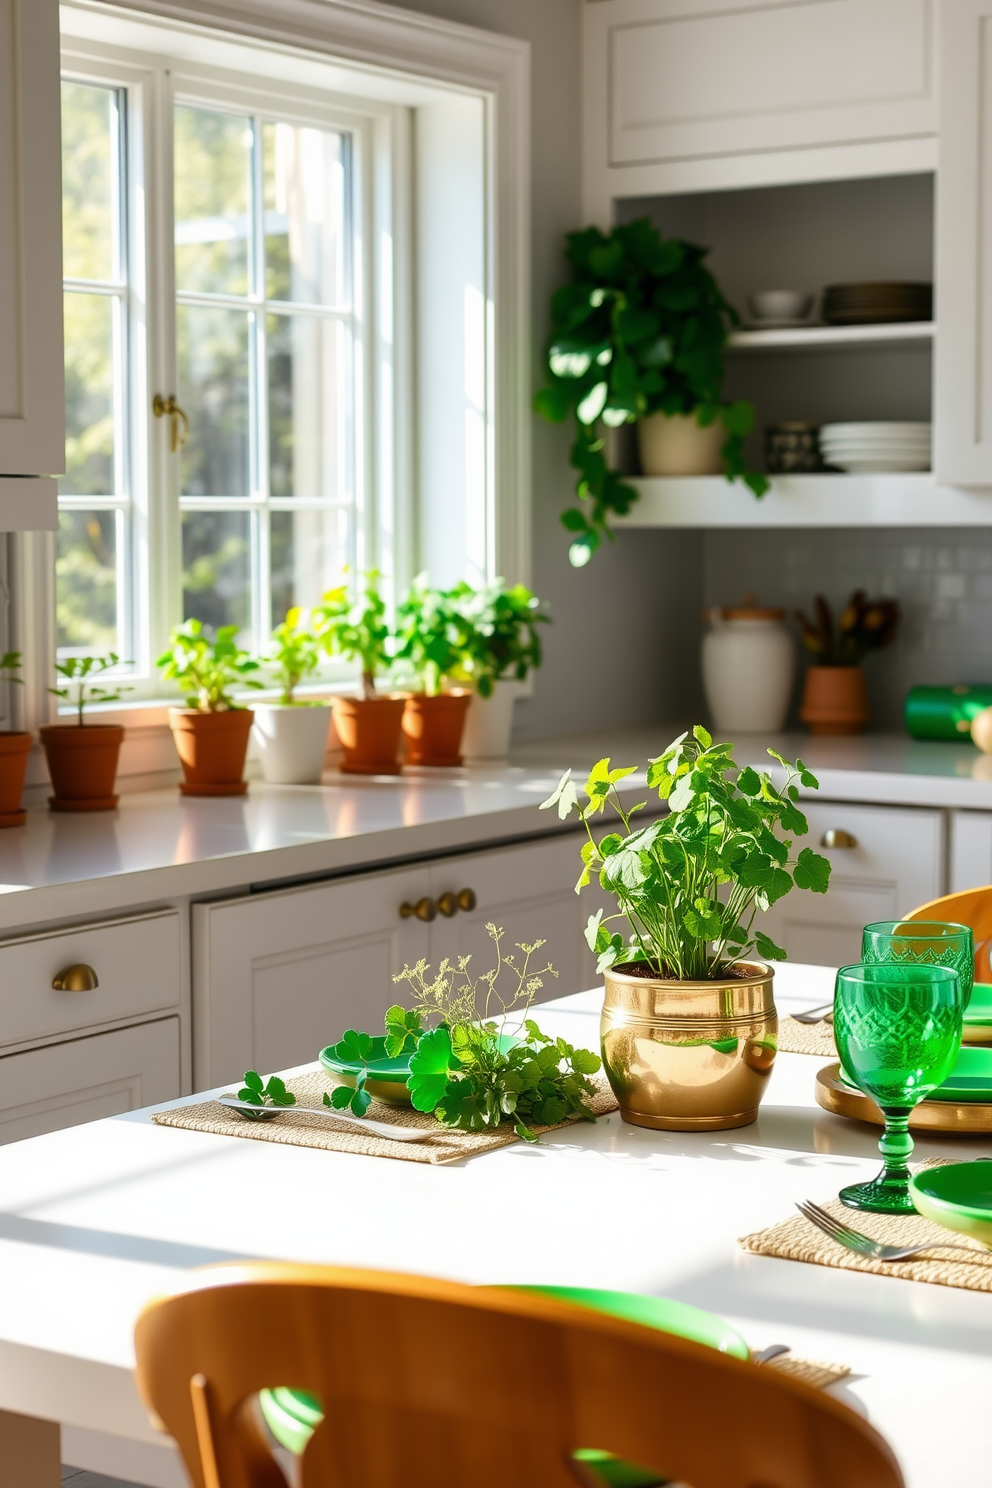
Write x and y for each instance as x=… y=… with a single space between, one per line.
x=898 y=1030
x=926 y=942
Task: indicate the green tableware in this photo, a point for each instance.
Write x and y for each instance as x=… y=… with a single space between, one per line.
x=922 y=942
x=978 y=1015
x=387 y=1077
x=898 y=1032
x=957 y=1196
x=970 y=1078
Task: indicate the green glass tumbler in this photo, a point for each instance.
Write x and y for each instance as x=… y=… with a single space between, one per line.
x=898 y=1031
x=924 y=942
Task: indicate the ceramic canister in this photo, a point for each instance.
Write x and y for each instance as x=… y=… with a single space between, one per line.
x=748 y=668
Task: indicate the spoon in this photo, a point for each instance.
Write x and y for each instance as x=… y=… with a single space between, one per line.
x=356 y=1123
x=765 y=1355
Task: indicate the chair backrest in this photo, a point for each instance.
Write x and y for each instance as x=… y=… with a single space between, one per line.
x=425 y=1382
x=972 y=907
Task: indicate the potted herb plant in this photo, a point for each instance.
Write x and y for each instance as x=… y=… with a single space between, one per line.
x=835 y=697
x=502 y=646
x=355 y=627
x=431 y=642
x=211 y=732
x=689 y=1026
x=15 y=746
x=638 y=336
x=82 y=757
x=291 y=734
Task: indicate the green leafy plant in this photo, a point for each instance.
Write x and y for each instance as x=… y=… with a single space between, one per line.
x=80 y=688
x=432 y=636
x=356 y=1048
x=865 y=625
x=690 y=883
x=501 y=638
x=295 y=653
x=10 y=664
x=356 y=628
x=259 y=1092
x=206 y=669
x=640 y=329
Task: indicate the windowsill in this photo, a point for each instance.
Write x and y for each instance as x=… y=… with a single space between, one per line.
x=147 y=713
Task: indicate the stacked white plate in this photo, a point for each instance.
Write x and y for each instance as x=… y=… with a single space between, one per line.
x=866 y=448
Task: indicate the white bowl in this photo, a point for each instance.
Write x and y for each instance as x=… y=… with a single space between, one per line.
x=867 y=465
x=858 y=431
x=780 y=304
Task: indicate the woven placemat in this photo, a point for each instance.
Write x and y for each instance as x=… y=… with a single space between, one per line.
x=810 y=1371
x=806 y=1038
x=294 y=1129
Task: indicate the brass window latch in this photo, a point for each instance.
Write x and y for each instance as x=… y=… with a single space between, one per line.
x=179 y=421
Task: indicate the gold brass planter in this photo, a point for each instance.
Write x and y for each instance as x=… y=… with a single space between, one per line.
x=689 y=1056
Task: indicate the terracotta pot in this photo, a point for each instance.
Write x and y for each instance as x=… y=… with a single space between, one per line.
x=835 y=700
x=674 y=444
x=82 y=762
x=369 y=733
x=212 y=749
x=14 y=750
x=433 y=727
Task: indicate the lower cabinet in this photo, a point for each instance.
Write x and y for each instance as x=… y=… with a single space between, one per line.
x=43 y=1090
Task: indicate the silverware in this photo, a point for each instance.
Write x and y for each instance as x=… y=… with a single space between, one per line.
x=873 y=1249
x=765 y=1355
x=824 y=1014
x=356 y=1123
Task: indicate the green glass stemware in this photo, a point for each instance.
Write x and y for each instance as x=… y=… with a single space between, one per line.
x=898 y=1030
x=926 y=942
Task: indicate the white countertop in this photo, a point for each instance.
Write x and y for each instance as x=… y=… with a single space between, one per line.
x=97 y=1219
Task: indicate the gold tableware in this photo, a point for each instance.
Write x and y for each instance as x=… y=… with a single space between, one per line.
x=960 y=1118
x=689 y=1056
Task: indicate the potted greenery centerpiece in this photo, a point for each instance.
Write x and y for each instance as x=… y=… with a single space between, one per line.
x=431 y=643
x=638 y=335
x=211 y=732
x=356 y=628
x=835 y=697
x=501 y=647
x=82 y=757
x=689 y=1026
x=292 y=734
x=15 y=746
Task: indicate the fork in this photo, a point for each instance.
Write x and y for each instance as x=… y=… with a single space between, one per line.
x=864 y=1245
x=822 y=1014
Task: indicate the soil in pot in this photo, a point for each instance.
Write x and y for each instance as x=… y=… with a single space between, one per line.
x=82 y=761
x=212 y=749
x=835 y=700
x=291 y=739
x=14 y=750
x=433 y=727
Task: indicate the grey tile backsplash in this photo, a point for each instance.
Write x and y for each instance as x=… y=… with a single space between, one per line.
x=942 y=579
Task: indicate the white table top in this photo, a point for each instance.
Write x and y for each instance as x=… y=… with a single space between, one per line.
x=97 y=1219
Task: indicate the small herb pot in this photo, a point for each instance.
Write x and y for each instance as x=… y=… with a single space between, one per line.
x=369 y=733
x=212 y=748
x=14 y=750
x=835 y=700
x=433 y=727
x=292 y=741
x=489 y=724
x=675 y=444
x=82 y=761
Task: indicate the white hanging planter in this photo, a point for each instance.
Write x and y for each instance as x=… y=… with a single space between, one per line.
x=292 y=741
x=489 y=724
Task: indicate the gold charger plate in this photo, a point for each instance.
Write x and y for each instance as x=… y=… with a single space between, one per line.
x=967 y=1118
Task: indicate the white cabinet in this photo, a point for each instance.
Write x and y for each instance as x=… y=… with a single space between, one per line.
x=894 y=862
x=32 y=417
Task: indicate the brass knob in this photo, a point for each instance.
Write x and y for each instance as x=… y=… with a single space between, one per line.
x=837 y=837
x=79 y=978
x=467 y=899
x=447 y=904
x=425 y=909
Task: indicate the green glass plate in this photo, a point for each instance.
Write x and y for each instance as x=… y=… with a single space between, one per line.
x=957 y=1196
x=969 y=1080
x=979 y=1010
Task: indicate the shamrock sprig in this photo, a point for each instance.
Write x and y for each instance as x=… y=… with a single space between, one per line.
x=259 y=1092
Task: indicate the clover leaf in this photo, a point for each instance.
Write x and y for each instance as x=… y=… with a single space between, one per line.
x=430 y=1069
x=403 y=1029
x=256 y=1092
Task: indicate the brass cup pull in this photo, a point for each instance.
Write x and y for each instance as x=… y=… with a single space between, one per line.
x=467 y=899
x=837 y=837
x=78 y=978
x=178 y=419
x=447 y=904
x=425 y=909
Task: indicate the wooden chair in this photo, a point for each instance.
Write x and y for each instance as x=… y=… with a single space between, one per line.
x=972 y=907
x=432 y=1384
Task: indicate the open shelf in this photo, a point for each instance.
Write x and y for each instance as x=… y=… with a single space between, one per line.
x=809 y=501
x=829 y=337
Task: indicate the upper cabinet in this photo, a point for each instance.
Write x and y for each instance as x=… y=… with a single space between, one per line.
x=32 y=404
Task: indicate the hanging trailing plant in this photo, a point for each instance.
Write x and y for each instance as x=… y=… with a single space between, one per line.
x=640 y=329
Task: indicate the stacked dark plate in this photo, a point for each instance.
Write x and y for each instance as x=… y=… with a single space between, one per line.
x=867 y=304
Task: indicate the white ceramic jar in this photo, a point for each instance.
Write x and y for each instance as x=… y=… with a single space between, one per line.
x=749 y=664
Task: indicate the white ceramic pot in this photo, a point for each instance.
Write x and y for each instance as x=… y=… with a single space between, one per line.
x=749 y=664
x=674 y=444
x=291 y=741
x=489 y=724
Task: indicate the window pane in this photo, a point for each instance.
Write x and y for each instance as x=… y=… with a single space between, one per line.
x=217 y=568
x=212 y=200
x=89 y=181
x=304 y=176
x=309 y=442
x=86 y=581
x=89 y=396
x=213 y=349
x=308 y=550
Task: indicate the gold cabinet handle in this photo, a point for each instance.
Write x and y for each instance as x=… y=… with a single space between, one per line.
x=78 y=978
x=467 y=899
x=179 y=421
x=837 y=837
x=425 y=909
x=447 y=904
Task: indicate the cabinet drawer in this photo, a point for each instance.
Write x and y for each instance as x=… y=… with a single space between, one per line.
x=137 y=963
x=44 y=1090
